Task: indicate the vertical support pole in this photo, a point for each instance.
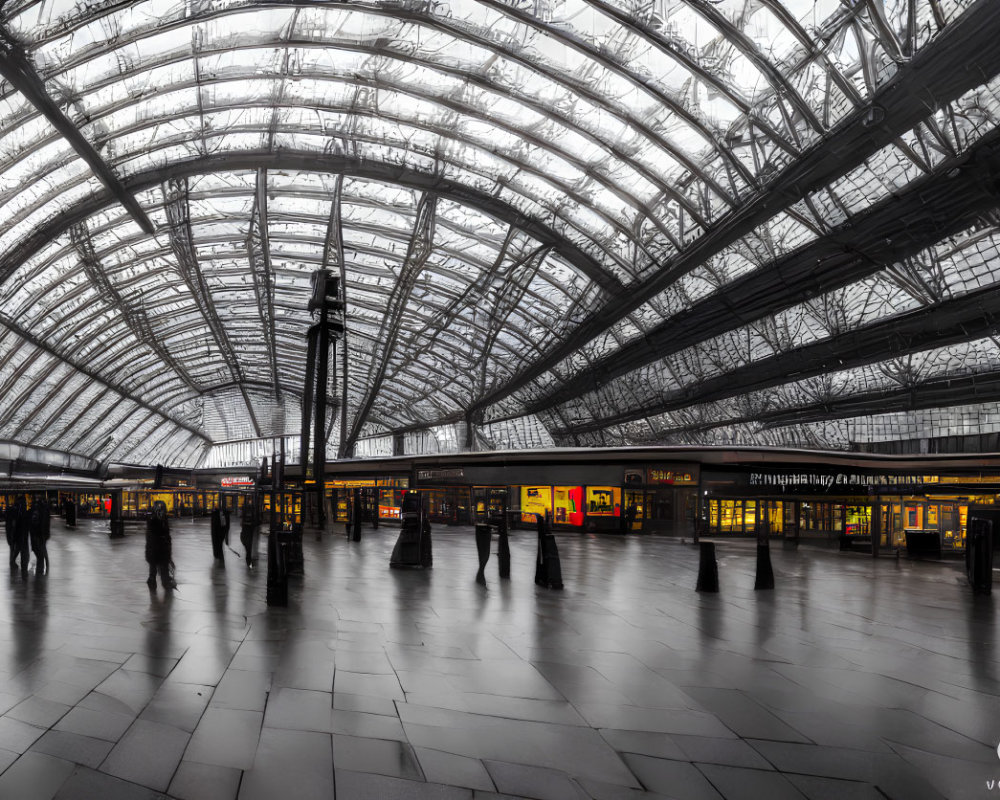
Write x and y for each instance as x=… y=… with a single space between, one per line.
x=307 y=400
x=765 y=572
x=117 y=523
x=876 y=526
x=319 y=452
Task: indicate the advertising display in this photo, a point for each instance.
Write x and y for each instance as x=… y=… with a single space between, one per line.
x=604 y=501
x=389 y=502
x=567 y=503
x=535 y=500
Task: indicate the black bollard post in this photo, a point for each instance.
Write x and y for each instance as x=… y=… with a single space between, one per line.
x=294 y=560
x=358 y=508
x=483 y=549
x=541 y=565
x=217 y=535
x=426 y=553
x=69 y=513
x=765 y=574
x=548 y=570
x=708 y=569
x=503 y=550
x=277 y=574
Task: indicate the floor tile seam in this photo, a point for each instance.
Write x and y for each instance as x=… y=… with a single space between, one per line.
x=50 y=727
x=891 y=741
x=719 y=790
x=100 y=767
x=569 y=727
x=809 y=741
x=481 y=761
x=78 y=767
x=784 y=772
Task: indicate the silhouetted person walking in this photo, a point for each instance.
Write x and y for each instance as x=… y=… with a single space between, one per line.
x=38 y=533
x=17 y=536
x=158 y=547
x=248 y=530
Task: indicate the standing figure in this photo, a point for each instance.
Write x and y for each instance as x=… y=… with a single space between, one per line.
x=158 y=547
x=225 y=523
x=218 y=533
x=10 y=528
x=18 y=537
x=248 y=530
x=38 y=533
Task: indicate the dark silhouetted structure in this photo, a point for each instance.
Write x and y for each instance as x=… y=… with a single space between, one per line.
x=159 y=550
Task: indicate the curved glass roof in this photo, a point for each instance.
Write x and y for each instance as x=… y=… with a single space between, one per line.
x=566 y=222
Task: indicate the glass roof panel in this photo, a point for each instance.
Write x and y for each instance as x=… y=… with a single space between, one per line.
x=515 y=193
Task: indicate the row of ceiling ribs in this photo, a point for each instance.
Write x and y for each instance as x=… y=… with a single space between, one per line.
x=110 y=394
x=261 y=271
x=259 y=249
x=957 y=62
x=175 y=193
x=333 y=260
x=419 y=249
x=17 y=69
x=135 y=318
x=892 y=231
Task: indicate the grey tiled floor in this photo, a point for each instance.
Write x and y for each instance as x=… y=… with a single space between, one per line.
x=853 y=679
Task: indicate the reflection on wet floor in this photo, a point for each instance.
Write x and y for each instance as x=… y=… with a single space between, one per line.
x=855 y=678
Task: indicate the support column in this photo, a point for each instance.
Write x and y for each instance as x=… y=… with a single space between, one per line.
x=876 y=527
x=319 y=445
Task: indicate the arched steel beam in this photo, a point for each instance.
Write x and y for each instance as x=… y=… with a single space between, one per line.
x=19 y=71
x=420 y=247
x=959 y=60
x=409 y=89
x=259 y=255
x=93 y=376
x=412 y=15
x=897 y=228
x=311 y=162
x=967 y=318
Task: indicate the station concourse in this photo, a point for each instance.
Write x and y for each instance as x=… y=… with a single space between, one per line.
x=665 y=279
x=855 y=678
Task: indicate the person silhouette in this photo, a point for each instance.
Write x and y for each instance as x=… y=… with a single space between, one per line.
x=159 y=547
x=38 y=533
x=18 y=535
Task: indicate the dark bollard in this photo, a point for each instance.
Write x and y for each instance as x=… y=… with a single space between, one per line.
x=218 y=534
x=979 y=556
x=356 y=515
x=765 y=575
x=277 y=574
x=548 y=570
x=413 y=547
x=294 y=560
x=483 y=549
x=503 y=551
x=69 y=514
x=426 y=557
x=708 y=569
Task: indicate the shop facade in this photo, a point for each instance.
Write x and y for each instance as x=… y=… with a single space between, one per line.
x=867 y=509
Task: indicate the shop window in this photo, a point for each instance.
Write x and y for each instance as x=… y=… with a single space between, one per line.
x=535 y=500
x=604 y=501
x=568 y=505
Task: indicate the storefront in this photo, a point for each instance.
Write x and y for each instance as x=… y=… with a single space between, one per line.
x=386 y=494
x=845 y=508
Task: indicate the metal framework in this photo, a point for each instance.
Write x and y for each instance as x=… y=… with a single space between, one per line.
x=729 y=221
